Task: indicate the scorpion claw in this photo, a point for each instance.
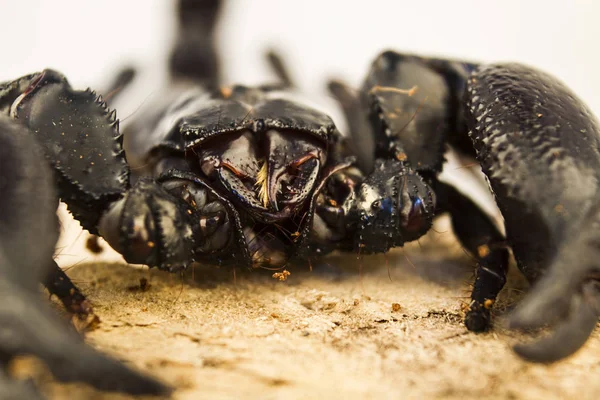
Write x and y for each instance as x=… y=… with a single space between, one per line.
x=29 y=328
x=551 y=300
x=571 y=334
x=545 y=305
x=564 y=300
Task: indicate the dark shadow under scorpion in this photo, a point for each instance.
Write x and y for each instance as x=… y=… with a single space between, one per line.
x=246 y=176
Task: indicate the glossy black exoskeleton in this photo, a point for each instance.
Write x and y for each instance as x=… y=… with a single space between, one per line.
x=248 y=176
x=28 y=234
x=538 y=146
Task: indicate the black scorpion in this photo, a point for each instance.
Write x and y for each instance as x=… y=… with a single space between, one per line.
x=248 y=176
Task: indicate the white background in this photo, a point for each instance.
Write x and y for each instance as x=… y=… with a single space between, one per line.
x=86 y=39
x=89 y=40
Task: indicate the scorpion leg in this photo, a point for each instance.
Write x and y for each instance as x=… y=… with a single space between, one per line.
x=28 y=327
x=284 y=78
x=362 y=145
x=61 y=286
x=280 y=69
x=119 y=83
x=28 y=233
x=393 y=206
x=479 y=235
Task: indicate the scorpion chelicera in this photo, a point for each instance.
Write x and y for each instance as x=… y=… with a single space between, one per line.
x=237 y=175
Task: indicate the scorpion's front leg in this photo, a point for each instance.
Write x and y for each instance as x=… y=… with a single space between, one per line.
x=479 y=235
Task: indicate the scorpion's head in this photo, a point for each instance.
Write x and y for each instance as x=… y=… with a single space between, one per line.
x=394 y=206
x=271 y=175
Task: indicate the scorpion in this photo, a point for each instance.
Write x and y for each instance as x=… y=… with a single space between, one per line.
x=249 y=176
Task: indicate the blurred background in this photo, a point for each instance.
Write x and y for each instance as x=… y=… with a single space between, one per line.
x=89 y=40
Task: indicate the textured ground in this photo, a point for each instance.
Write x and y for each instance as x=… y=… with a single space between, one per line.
x=333 y=332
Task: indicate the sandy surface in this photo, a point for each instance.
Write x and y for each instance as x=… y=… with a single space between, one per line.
x=335 y=332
